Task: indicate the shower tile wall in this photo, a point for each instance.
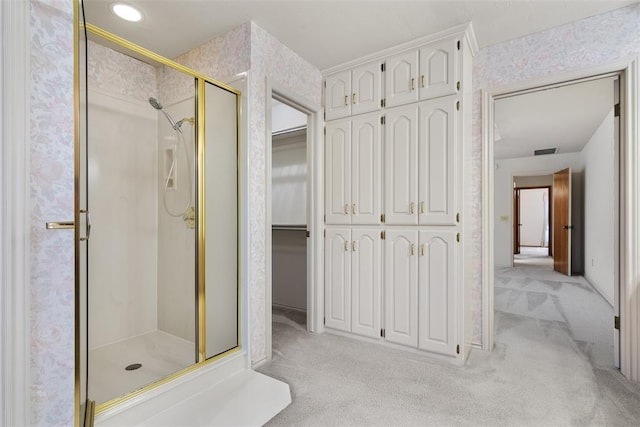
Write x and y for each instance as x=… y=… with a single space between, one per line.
x=122 y=171
x=176 y=242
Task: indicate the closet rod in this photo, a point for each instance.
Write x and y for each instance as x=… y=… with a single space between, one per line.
x=289 y=227
x=290 y=130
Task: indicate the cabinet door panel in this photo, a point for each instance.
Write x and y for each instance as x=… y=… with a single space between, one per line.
x=437 y=292
x=438 y=69
x=401 y=287
x=366 y=168
x=400 y=75
x=366 y=88
x=365 y=282
x=438 y=152
x=337 y=95
x=400 y=165
x=337 y=287
x=338 y=172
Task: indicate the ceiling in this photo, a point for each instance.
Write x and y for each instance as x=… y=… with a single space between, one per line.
x=564 y=117
x=327 y=33
x=330 y=32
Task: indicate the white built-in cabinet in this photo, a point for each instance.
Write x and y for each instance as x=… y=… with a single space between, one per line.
x=353 y=172
x=394 y=135
x=352 y=292
x=355 y=91
x=421 y=150
x=424 y=73
x=420 y=292
x=401 y=287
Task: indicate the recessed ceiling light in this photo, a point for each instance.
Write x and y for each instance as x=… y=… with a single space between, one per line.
x=126 y=12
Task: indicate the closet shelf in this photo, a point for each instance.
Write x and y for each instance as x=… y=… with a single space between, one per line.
x=293 y=227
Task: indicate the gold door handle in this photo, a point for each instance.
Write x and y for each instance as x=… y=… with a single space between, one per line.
x=60 y=225
x=412 y=208
x=353 y=246
x=413 y=84
x=353 y=98
x=422 y=249
x=422 y=80
x=346 y=246
x=421 y=207
x=413 y=251
x=346 y=100
x=346 y=208
x=353 y=208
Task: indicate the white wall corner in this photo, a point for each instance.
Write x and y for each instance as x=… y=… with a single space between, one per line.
x=14 y=213
x=487 y=108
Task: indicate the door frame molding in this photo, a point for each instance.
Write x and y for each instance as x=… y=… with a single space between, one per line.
x=315 y=208
x=629 y=71
x=15 y=214
x=549 y=216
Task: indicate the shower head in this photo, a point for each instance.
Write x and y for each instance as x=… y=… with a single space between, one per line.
x=156 y=104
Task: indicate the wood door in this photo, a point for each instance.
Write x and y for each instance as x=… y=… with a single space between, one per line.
x=562 y=221
x=401 y=165
x=437 y=153
x=366 y=88
x=438 y=69
x=437 y=292
x=400 y=79
x=366 y=267
x=366 y=169
x=337 y=184
x=337 y=95
x=516 y=221
x=337 y=276
x=401 y=287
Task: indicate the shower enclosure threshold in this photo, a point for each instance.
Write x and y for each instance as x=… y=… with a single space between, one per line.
x=224 y=393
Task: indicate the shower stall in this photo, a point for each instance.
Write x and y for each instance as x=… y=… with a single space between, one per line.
x=160 y=181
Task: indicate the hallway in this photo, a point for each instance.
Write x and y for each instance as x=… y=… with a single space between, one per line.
x=537 y=292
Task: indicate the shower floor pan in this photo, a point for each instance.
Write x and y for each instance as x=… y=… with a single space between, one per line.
x=159 y=354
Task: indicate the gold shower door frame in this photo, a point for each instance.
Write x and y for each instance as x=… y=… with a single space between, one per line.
x=84 y=408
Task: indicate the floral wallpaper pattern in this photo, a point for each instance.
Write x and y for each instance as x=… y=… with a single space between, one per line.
x=590 y=42
x=250 y=48
x=51 y=198
x=269 y=59
x=106 y=66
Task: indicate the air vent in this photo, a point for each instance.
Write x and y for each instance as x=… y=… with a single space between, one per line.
x=545 y=151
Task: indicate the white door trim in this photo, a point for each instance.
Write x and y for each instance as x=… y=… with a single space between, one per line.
x=629 y=208
x=315 y=207
x=15 y=213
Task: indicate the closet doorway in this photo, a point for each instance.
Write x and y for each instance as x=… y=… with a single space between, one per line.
x=289 y=215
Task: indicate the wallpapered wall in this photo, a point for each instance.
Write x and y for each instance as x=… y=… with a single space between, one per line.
x=586 y=43
x=250 y=48
x=106 y=68
x=269 y=58
x=51 y=197
x=583 y=44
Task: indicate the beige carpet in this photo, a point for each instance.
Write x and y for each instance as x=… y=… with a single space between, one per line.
x=533 y=257
x=546 y=370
